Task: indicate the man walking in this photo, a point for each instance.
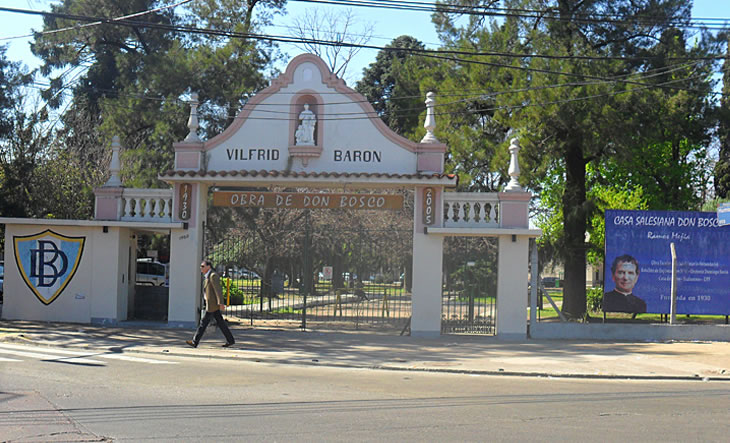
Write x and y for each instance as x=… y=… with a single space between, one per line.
x=214 y=306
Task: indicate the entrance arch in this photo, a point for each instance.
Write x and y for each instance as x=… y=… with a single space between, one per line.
x=319 y=268
x=317 y=145
x=309 y=132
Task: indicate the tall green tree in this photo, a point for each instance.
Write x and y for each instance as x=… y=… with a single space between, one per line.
x=128 y=78
x=10 y=81
x=722 y=168
x=17 y=156
x=606 y=90
x=389 y=87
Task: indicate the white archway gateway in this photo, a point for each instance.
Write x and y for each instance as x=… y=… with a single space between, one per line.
x=317 y=143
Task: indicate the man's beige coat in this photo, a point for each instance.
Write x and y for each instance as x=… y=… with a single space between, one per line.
x=213 y=292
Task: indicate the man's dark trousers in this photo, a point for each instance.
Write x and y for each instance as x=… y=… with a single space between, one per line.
x=221 y=324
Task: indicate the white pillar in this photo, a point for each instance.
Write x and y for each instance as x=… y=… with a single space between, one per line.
x=427 y=267
x=428 y=255
x=512 y=287
x=186 y=253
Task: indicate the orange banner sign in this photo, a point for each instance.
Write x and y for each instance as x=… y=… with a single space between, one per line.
x=294 y=200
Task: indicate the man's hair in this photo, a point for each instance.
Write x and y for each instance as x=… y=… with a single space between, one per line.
x=626 y=258
x=208 y=263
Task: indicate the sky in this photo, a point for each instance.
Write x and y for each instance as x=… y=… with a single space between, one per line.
x=387 y=26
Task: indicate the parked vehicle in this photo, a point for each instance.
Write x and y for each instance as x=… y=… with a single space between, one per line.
x=249 y=275
x=242 y=273
x=150 y=272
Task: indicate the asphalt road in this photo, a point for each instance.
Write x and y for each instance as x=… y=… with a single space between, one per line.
x=55 y=394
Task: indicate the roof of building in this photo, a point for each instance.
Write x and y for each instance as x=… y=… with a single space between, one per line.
x=240 y=177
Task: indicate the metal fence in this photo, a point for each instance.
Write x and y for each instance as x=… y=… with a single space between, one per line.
x=328 y=277
x=469 y=296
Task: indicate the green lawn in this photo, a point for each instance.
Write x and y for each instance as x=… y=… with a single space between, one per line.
x=549 y=314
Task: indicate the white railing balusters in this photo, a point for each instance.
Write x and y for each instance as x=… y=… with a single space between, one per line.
x=470 y=209
x=147 y=205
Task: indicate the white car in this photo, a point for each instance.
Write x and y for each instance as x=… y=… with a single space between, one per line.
x=153 y=273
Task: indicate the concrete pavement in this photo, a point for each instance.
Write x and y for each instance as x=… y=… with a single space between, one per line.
x=457 y=354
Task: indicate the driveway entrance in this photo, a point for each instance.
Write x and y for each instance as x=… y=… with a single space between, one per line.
x=327 y=269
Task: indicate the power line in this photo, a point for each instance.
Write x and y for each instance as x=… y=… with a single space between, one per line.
x=421 y=52
x=87 y=25
x=470 y=95
x=374 y=115
x=544 y=14
x=302 y=40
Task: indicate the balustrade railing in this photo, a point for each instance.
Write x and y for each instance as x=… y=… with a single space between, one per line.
x=153 y=205
x=471 y=209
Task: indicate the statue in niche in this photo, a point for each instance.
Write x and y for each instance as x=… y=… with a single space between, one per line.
x=305 y=131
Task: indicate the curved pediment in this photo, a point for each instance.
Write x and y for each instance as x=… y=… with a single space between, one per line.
x=310 y=121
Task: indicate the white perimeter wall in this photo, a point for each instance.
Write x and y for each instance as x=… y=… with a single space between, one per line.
x=96 y=293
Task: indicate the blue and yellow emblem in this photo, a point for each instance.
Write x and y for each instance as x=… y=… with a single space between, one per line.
x=47 y=262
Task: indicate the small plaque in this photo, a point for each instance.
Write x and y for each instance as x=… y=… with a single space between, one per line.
x=186 y=191
x=429 y=207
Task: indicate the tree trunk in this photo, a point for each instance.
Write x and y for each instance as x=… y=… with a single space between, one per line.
x=722 y=168
x=574 y=221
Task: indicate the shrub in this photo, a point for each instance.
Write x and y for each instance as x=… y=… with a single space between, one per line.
x=238 y=296
x=594 y=299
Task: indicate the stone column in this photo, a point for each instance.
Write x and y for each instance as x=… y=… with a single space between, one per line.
x=512 y=287
x=186 y=253
x=512 y=260
x=427 y=267
x=186 y=245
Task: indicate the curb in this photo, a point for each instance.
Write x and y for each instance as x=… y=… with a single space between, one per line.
x=382 y=367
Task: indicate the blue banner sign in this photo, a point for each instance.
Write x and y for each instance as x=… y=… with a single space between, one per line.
x=638 y=269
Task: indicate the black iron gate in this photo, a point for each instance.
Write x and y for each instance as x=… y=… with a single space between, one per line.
x=326 y=277
x=470 y=285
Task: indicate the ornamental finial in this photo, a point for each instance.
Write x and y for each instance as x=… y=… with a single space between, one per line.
x=514 y=167
x=193 y=120
x=114 y=166
x=430 y=123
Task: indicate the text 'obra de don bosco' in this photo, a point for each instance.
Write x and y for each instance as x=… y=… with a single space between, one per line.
x=294 y=200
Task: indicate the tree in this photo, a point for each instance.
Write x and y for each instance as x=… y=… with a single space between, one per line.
x=722 y=168
x=12 y=80
x=235 y=15
x=586 y=101
x=624 y=121
x=129 y=77
x=18 y=152
x=389 y=84
x=337 y=27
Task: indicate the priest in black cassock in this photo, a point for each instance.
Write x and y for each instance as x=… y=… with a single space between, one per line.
x=625 y=274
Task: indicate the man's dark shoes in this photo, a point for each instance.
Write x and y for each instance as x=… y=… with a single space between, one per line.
x=228 y=345
x=191 y=343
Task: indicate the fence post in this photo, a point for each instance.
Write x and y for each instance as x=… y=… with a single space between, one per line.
x=307 y=268
x=533 y=284
x=673 y=306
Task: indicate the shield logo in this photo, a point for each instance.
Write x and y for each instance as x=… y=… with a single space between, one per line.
x=47 y=262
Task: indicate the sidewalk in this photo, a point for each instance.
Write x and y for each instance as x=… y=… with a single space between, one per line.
x=456 y=354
